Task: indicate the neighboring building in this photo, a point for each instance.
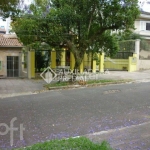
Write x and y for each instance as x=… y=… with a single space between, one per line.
x=2 y=30
x=10 y=56
x=5 y=25
x=144 y=5
x=142 y=25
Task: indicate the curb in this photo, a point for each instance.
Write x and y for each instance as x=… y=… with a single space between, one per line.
x=2 y=96
x=89 y=85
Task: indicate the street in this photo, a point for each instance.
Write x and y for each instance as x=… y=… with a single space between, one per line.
x=74 y=112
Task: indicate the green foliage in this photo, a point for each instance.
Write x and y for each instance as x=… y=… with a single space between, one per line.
x=8 y=7
x=39 y=61
x=81 y=143
x=106 y=81
x=127 y=46
x=25 y=28
x=80 y=25
x=95 y=56
x=144 y=45
x=127 y=42
x=110 y=44
x=42 y=56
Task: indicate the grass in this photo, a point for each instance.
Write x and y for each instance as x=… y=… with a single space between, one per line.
x=101 y=81
x=67 y=83
x=81 y=143
x=58 y=84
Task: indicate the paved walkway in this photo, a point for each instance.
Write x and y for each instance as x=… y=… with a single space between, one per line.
x=138 y=75
x=13 y=87
x=135 y=137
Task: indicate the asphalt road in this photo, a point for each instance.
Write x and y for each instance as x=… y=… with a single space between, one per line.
x=74 y=112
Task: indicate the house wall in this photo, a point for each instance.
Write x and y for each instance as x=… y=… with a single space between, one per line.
x=137 y=25
x=4 y=52
x=144 y=55
x=140 y=26
x=144 y=64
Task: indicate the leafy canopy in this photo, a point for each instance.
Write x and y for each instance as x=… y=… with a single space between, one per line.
x=9 y=7
x=81 y=26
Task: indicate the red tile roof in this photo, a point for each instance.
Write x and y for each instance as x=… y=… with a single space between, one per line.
x=9 y=41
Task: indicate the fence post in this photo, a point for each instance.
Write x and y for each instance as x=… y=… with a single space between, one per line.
x=53 y=59
x=136 y=61
x=94 y=66
x=132 y=66
x=101 y=63
x=72 y=61
x=137 y=51
x=63 y=59
x=129 y=65
x=31 y=64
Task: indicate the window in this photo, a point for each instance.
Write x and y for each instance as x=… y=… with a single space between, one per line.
x=145 y=25
x=148 y=26
x=142 y=25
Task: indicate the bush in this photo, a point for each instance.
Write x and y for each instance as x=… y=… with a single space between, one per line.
x=81 y=143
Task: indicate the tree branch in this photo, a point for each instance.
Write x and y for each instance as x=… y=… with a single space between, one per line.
x=90 y=22
x=102 y=30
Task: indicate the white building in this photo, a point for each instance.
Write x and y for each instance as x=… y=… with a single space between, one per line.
x=142 y=25
x=5 y=24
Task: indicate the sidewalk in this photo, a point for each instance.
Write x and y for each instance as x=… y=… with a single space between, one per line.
x=135 y=137
x=138 y=75
x=13 y=87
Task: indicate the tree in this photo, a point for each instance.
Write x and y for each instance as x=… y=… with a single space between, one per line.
x=9 y=7
x=91 y=21
x=82 y=26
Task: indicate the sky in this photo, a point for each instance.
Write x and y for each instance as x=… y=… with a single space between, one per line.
x=28 y=1
x=6 y=23
x=144 y=5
